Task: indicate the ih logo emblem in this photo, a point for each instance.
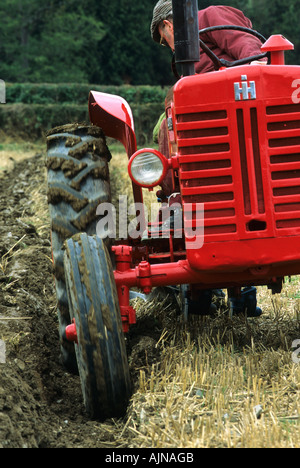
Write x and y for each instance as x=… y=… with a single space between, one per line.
x=244 y=91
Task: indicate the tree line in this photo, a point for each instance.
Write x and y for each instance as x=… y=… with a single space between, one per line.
x=108 y=42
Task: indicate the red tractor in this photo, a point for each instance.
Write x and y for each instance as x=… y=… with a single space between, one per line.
x=234 y=141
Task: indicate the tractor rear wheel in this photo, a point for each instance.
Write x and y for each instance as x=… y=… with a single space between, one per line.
x=78 y=181
x=100 y=349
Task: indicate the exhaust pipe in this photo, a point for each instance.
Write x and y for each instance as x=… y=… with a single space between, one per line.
x=186 y=34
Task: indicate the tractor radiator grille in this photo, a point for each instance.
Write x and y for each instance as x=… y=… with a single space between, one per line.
x=283 y=126
x=244 y=165
x=206 y=174
x=250 y=159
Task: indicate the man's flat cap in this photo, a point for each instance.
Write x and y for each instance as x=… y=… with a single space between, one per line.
x=162 y=10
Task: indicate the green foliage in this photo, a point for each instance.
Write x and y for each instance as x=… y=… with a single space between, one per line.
x=79 y=33
x=127 y=52
x=33 y=109
x=270 y=17
x=45 y=40
x=108 y=42
x=32 y=121
x=278 y=17
x=77 y=93
x=80 y=41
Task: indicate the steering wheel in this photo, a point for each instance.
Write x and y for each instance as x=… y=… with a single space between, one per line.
x=219 y=62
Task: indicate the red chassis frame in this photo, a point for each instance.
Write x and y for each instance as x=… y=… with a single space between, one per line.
x=235 y=146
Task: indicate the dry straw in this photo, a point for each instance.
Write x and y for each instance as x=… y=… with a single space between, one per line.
x=221 y=383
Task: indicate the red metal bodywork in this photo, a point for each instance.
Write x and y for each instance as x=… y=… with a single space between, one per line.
x=242 y=160
x=238 y=152
x=114 y=116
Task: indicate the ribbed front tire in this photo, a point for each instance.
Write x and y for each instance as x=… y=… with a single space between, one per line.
x=101 y=352
x=78 y=181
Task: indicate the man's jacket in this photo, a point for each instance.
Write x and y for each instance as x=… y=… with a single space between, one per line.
x=229 y=45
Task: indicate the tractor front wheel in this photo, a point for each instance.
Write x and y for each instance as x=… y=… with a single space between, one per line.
x=78 y=181
x=100 y=349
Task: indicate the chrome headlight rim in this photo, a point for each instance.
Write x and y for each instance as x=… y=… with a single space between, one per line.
x=164 y=167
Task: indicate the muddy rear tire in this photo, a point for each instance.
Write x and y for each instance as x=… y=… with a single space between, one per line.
x=78 y=181
x=101 y=352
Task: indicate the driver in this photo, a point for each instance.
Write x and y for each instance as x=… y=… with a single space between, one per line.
x=228 y=45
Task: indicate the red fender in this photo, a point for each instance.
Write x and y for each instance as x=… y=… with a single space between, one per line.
x=113 y=114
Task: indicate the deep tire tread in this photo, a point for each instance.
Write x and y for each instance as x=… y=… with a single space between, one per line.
x=78 y=181
x=101 y=351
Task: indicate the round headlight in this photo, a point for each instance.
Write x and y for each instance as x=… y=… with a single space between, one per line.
x=147 y=168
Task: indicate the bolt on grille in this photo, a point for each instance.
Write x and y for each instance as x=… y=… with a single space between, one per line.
x=245 y=170
x=284 y=148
